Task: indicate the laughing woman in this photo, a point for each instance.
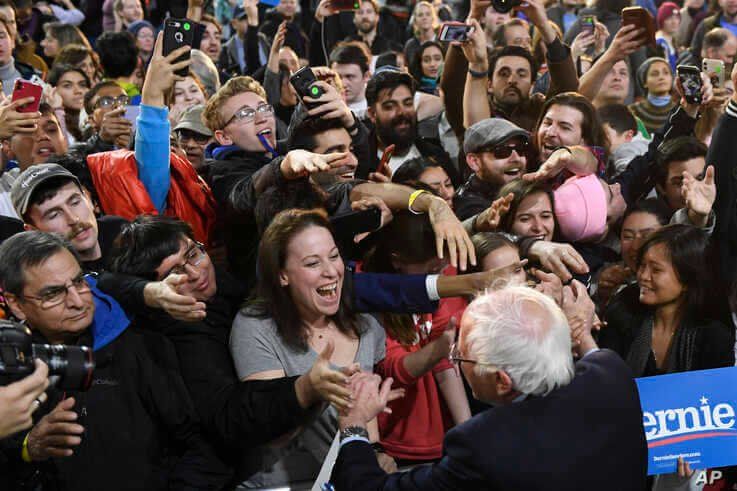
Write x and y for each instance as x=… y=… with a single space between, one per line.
x=300 y=308
x=662 y=324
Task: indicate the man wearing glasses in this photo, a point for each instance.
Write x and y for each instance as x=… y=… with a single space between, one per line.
x=554 y=425
x=105 y=104
x=244 y=127
x=136 y=426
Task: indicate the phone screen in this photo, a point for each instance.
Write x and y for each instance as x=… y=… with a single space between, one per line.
x=691 y=82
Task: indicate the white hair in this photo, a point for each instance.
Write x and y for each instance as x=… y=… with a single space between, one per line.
x=533 y=349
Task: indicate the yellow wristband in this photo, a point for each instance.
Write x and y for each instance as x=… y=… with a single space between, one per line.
x=24 y=452
x=412 y=198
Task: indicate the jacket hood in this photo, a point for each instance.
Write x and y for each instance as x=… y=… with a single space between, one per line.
x=221 y=152
x=110 y=319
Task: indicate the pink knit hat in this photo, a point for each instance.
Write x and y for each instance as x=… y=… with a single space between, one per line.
x=580 y=208
x=666 y=10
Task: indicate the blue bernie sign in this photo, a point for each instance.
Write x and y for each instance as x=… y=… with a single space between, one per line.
x=272 y=3
x=691 y=415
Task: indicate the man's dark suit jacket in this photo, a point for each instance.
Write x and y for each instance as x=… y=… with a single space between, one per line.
x=584 y=436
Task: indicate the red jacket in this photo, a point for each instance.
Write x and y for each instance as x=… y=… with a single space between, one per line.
x=115 y=176
x=417 y=424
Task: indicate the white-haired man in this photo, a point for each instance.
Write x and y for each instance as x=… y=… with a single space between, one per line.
x=555 y=425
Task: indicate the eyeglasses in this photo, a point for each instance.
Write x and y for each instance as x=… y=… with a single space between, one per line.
x=247 y=114
x=184 y=135
x=55 y=296
x=454 y=357
x=193 y=257
x=110 y=101
x=505 y=150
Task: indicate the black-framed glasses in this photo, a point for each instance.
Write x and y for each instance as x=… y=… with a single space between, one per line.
x=110 y=101
x=193 y=257
x=55 y=296
x=455 y=357
x=184 y=135
x=504 y=150
x=247 y=114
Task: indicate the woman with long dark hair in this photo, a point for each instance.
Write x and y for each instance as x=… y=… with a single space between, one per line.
x=665 y=323
x=70 y=85
x=427 y=66
x=300 y=309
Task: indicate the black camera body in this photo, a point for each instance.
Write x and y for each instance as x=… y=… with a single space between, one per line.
x=504 y=6
x=70 y=367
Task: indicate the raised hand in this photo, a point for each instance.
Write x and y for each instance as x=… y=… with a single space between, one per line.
x=581 y=43
x=558 y=160
x=449 y=230
x=301 y=163
x=370 y=397
x=699 y=195
x=489 y=219
x=626 y=41
x=330 y=385
x=13 y=122
x=164 y=295
x=115 y=128
x=324 y=9
x=550 y=285
x=559 y=259
x=372 y=202
x=580 y=312
x=331 y=105
x=161 y=73
x=475 y=47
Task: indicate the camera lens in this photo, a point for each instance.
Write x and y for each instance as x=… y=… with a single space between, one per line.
x=504 y=6
x=72 y=364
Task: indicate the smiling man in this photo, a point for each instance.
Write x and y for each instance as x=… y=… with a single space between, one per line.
x=496 y=151
x=51 y=199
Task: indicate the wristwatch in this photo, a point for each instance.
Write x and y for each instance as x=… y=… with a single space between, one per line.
x=354 y=431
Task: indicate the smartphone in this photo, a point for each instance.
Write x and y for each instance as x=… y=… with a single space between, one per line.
x=690 y=78
x=345 y=5
x=454 y=31
x=714 y=69
x=131 y=114
x=178 y=33
x=365 y=168
x=588 y=24
x=23 y=89
x=641 y=19
x=385 y=158
x=350 y=224
x=303 y=82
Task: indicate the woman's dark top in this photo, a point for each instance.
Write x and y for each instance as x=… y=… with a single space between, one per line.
x=698 y=344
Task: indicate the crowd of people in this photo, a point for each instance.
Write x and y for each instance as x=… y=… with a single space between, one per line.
x=538 y=213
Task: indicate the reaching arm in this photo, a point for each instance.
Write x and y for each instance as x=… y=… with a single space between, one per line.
x=624 y=44
x=451 y=387
x=475 y=98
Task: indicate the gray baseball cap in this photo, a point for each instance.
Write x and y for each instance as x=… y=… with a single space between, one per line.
x=191 y=119
x=490 y=132
x=30 y=179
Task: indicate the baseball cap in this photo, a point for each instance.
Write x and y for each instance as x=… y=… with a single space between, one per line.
x=239 y=12
x=30 y=179
x=490 y=132
x=191 y=119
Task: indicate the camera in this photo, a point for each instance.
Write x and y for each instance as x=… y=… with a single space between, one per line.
x=504 y=6
x=70 y=367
